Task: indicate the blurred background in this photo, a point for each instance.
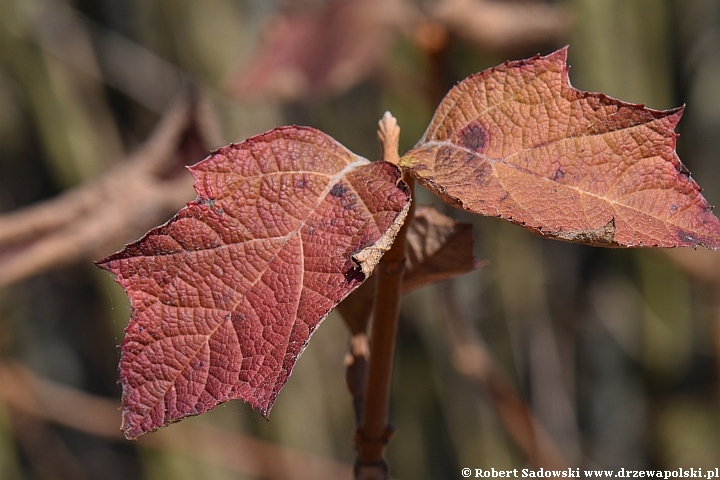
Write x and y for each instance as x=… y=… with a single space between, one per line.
x=550 y=355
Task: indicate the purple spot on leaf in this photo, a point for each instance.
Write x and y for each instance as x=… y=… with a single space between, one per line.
x=338 y=190
x=474 y=136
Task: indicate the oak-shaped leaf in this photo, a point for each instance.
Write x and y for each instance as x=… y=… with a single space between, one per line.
x=519 y=142
x=226 y=295
x=438 y=248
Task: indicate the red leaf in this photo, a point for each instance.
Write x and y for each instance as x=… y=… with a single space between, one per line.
x=226 y=295
x=518 y=142
x=317 y=54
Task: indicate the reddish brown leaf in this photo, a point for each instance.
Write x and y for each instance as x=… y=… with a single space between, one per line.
x=226 y=295
x=518 y=142
x=319 y=53
x=438 y=248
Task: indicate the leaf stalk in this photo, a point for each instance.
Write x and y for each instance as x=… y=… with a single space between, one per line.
x=374 y=432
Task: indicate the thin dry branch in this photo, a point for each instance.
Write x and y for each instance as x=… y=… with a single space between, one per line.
x=25 y=392
x=503 y=26
x=98 y=217
x=324 y=53
x=46 y=452
x=472 y=360
x=704 y=266
x=106 y=56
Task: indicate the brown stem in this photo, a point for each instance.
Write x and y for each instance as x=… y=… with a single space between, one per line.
x=503 y=26
x=374 y=432
x=356 y=362
x=434 y=40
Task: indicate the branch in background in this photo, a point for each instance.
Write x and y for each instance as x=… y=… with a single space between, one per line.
x=703 y=265
x=320 y=53
x=69 y=110
x=58 y=29
x=324 y=53
x=503 y=26
x=47 y=453
x=123 y=64
x=472 y=360
x=97 y=217
x=35 y=397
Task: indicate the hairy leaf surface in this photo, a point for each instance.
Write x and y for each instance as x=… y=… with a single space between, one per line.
x=226 y=295
x=519 y=142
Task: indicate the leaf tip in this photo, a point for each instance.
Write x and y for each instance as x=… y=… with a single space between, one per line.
x=102 y=263
x=675 y=114
x=130 y=432
x=107 y=265
x=560 y=53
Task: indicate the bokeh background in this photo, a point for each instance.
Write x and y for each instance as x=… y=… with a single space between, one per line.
x=615 y=352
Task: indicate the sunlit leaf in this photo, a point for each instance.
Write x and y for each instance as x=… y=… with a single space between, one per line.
x=518 y=142
x=226 y=295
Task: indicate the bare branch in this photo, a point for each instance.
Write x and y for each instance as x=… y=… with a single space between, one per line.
x=503 y=26
x=472 y=360
x=130 y=67
x=96 y=218
x=25 y=392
